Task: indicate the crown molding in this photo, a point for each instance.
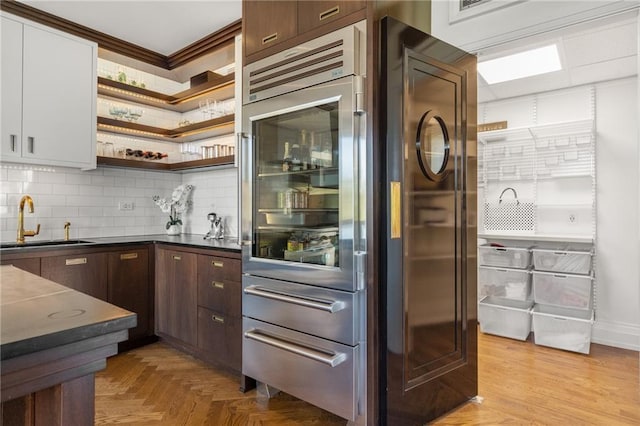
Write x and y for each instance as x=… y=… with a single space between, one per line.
x=213 y=41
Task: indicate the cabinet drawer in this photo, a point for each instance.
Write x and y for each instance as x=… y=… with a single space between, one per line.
x=83 y=272
x=218 y=268
x=320 y=12
x=221 y=336
x=221 y=296
x=327 y=313
x=319 y=371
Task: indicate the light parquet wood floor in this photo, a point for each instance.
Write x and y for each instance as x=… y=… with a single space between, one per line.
x=520 y=383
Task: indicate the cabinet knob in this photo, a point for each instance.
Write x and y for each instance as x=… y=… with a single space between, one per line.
x=217 y=284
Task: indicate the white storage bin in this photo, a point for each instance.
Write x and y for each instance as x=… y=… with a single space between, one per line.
x=564 y=290
x=507 y=257
x=504 y=317
x=502 y=282
x=569 y=261
x=562 y=328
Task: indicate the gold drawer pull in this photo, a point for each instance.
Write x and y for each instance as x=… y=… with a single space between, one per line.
x=329 y=13
x=270 y=38
x=217 y=284
x=76 y=261
x=176 y=257
x=217 y=319
x=127 y=256
x=217 y=264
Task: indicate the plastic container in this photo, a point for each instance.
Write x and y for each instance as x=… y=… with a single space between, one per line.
x=504 y=317
x=562 y=328
x=507 y=283
x=506 y=257
x=563 y=290
x=568 y=261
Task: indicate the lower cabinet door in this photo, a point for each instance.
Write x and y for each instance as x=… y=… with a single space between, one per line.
x=319 y=371
x=221 y=337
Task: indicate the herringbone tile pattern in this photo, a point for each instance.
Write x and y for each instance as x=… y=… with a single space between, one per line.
x=160 y=386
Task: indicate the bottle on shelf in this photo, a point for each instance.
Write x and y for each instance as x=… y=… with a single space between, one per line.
x=286 y=160
x=305 y=150
x=296 y=162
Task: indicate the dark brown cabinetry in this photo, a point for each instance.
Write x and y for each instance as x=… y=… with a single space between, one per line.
x=176 y=294
x=268 y=23
x=219 y=309
x=272 y=26
x=129 y=287
x=26 y=264
x=84 y=272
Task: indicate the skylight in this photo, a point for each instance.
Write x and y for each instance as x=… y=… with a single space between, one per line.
x=519 y=65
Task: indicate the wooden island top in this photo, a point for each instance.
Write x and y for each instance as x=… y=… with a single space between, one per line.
x=52 y=341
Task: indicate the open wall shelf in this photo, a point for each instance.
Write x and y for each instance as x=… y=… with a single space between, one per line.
x=158 y=165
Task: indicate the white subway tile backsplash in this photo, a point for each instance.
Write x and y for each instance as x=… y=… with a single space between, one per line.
x=89 y=200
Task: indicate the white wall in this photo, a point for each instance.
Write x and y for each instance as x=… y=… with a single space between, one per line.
x=617 y=191
x=89 y=200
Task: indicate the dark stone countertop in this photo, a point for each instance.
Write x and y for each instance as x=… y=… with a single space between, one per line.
x=37 y=314
x=188 y=240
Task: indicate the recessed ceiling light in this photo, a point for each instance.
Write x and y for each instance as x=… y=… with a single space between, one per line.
x=519 y=65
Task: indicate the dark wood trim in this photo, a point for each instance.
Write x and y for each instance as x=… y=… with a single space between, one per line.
x=151 y=165
x=104 y=40
x=216 y=40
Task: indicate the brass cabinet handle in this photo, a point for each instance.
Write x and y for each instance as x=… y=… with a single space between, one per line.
x=395 y=210
x=270 y=38
x=217 y=264
x=217 y=319
x=76 y=261
x=127 y=256
x=217 y=284
x=176 y=257
x=329 y=13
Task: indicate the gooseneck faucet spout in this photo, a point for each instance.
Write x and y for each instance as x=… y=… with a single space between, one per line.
x=21 y=231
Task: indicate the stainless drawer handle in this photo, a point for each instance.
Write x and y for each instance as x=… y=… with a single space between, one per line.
x=329 y=359
x=217 y=284
x=331 y=306
x=127 y=256
x=76 y=261
x=217 y=264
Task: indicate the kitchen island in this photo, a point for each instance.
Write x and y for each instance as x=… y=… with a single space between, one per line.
x=52 y=341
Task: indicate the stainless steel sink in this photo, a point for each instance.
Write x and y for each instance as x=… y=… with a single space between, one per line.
x=41 y=243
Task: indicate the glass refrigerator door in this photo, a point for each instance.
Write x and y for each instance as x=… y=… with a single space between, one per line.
x=302 y=181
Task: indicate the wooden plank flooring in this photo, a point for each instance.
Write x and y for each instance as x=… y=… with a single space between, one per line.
x=520 y=383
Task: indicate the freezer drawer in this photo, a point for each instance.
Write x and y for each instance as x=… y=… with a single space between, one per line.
x=315 y=370
x=322 y=312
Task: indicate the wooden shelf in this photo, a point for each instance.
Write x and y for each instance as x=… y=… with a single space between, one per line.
x=204 y=129
x=187 y=100
x=158 y=165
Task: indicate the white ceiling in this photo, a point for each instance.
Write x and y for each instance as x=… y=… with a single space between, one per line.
x=161 y=26
x=590 y=52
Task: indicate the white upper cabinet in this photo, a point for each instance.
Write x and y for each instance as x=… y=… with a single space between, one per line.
x=48 y=96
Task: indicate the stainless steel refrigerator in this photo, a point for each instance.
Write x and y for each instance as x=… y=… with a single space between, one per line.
x=427 y=131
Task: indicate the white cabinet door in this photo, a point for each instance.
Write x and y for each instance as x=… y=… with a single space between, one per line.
x=11 y=99
x=51 y=96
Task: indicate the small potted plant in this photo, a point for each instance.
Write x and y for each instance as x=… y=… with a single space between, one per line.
x=175 y=206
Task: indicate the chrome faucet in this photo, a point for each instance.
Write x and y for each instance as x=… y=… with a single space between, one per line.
x=21 y=231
